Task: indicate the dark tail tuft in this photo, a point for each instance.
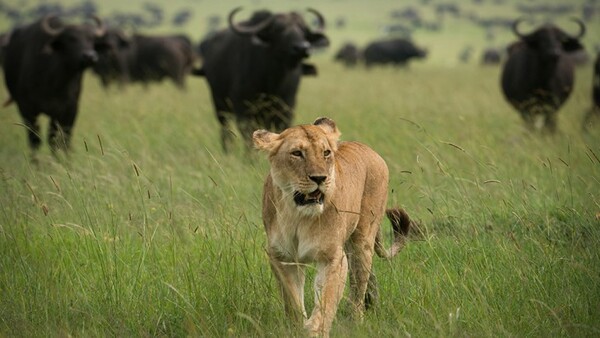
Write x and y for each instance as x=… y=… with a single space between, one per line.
x=401 y=226
x=400 y=221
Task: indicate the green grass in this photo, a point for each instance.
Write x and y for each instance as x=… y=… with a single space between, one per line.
x=148 y=229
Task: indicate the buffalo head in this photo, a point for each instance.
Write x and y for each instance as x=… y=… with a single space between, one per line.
x=348 y=54
x=287 y=34
x=550 y=40
x=75 y=43
x=112 y=49
x=112 y=41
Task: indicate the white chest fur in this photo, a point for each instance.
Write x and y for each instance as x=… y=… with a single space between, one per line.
x=300 y=239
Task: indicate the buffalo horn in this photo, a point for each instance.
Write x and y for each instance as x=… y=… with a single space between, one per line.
x=320 y=18
x=581 y=28
x=247 y=30
x=47 y=28
x=515 y=27
x=101 y=27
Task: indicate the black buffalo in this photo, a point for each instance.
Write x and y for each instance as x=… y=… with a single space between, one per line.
x=538 y=76
x=4 y=38
x=253 y=69
x=348 y=54
x=594 y=111
x=143 y=58
x=43 y=68
x=112 y=65
x=491 y=56
x=393 y=51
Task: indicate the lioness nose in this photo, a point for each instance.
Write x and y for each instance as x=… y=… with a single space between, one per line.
x=318 y=179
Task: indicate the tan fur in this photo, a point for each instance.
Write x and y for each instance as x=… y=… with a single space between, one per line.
x=338 y=236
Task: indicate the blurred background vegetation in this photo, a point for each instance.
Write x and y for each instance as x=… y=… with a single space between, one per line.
x=452 y=30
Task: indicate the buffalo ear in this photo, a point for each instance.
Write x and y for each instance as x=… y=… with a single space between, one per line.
x=317 y=39
x=51 y=46
x=123 y=41
x=265 y=140
x=258 y=41
x=328 y=125
x=571 y=45
x=309 y=69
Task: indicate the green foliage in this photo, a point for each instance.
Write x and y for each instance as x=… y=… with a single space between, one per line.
x=148 y=229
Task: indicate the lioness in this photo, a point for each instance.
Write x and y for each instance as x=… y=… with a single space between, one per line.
x=323 y=202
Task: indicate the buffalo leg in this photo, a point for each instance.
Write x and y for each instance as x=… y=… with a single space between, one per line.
x=57 y=136
x=551 y=122
x=226 y=133
x=33 y=132
x=60 y=129
x=179 y=78
x=247 y=127
x=280 y=116
x=529 y=120
x=278 y=124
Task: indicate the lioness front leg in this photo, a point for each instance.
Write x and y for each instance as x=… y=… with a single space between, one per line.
x=291 y=277
x=329 y=289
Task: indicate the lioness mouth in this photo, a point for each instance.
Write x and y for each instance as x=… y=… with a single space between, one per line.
x=315 y=197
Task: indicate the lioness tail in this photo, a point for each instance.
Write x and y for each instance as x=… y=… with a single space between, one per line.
x=400 y=225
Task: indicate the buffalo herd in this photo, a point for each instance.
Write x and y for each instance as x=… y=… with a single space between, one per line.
x=393 y=51
x=349 y=54
x=253 y=68
x=142 y=58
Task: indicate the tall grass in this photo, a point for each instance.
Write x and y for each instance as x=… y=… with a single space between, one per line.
x=148 y=229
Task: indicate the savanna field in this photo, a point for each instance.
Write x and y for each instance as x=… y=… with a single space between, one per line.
x=148 y=229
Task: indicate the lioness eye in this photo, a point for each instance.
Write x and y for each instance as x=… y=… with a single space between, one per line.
x=297 y=153
x=327 y=153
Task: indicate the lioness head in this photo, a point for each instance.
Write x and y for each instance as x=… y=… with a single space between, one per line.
x=302 y=163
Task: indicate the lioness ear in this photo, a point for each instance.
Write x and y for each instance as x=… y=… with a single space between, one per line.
x=329 y=126
x=265 y=140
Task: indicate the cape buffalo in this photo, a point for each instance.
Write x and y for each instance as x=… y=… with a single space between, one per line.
x=538 y=76
x=348 y=54
x=395 y=51
x=253 y=69
x=4 y=38
x=595 y=109
x=112 y=57
x=43 y=67
x=144 y=58
x=491 y=56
